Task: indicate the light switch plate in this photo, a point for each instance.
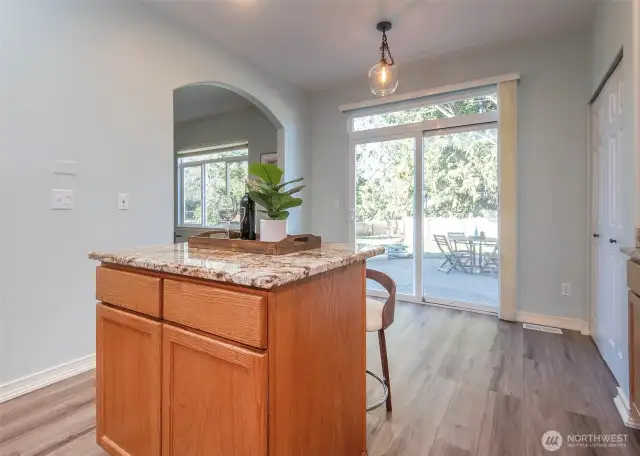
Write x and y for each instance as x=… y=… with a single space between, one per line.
x=123 y=201
x=65 y=167
x=61 y=199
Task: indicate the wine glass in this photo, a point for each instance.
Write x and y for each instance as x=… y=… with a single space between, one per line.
x=227 y=211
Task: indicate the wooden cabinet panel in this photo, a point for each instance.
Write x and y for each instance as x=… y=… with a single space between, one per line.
x=230 y=314
x=128 y=380
x=633 y=276
x=634 y=349
x=317 y=363
x=214 y=397
x=137 y=292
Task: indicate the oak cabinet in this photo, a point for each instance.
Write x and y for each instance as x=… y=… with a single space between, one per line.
x=191 y=367
x=128 y=361
x=214 y=397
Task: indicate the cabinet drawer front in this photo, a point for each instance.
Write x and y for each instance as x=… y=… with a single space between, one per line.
x=129 y=290
x=214 y=397
x=633 y=276
x=230 y=314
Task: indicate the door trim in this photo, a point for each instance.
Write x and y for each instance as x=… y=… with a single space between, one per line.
x=616 y=61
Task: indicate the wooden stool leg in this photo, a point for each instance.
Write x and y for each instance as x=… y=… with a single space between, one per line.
x=385 y=365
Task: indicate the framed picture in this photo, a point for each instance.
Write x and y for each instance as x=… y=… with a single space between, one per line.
x=269 y=159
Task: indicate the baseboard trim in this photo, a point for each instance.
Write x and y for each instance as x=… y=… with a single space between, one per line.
x=572 y=324
x=46 y=377
x=624 y=409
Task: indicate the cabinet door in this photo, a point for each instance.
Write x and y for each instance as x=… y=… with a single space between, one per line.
x=214 y=397
x=128 y=379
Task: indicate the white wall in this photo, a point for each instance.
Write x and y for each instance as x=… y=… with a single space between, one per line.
x=240 y=124
x=553 y=96
x=93 y=82
x=613 y=30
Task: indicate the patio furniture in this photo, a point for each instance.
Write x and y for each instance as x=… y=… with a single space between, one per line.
x=459 y=241
x=452 y=258
x=379 y=317
x=396 y=251
x=490 y=260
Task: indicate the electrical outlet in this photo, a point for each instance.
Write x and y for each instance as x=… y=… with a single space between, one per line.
x=565 y=289
x=123 y=201
x=61 y=199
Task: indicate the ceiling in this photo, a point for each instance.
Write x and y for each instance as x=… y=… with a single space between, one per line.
x=314 y=43
x=195 y=101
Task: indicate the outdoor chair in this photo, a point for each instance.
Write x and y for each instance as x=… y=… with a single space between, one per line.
x=452 y=258
x=490 y=260
x=459 y=242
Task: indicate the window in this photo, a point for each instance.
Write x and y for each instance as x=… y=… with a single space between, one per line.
x=204 y=173
x=428 y=111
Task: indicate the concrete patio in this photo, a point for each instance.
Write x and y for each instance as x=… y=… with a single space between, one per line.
x=455 y=286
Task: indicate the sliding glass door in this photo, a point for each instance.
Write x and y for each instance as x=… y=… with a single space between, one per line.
x=424 y=184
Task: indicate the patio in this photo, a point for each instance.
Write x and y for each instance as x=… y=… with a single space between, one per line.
x=455 y=286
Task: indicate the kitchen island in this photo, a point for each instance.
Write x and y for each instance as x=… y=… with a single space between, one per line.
x=203 y=352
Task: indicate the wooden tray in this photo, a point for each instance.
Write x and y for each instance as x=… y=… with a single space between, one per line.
x=293 y=243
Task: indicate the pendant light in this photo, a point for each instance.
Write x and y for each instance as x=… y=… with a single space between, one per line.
x=383 y=76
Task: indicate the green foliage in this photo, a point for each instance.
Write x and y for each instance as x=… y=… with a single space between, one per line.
x=460 y=169
x=266 y=191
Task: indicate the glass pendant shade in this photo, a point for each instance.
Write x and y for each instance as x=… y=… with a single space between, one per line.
x=383 y=79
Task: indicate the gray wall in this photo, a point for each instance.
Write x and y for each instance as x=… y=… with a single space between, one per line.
x=93 y=82
x=613 y=29
x=242 y=124
x=552 y=166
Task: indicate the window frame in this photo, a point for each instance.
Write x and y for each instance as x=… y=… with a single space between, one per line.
x=204 y=150
x=435 y=124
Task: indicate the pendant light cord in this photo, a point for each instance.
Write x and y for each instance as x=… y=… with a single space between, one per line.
x=385 y=47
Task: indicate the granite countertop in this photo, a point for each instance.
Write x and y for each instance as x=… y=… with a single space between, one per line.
x=632 y=252
x=259 y=271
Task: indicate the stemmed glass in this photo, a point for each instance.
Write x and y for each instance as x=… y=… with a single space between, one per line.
x=227 y=211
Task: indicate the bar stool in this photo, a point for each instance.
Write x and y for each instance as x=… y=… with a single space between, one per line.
x=379 y=317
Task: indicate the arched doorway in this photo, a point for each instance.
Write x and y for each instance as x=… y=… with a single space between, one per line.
x=218 y=131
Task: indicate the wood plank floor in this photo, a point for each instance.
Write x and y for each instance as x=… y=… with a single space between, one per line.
x=463 y=384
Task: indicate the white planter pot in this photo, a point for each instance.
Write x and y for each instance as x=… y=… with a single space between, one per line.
x=273 y=230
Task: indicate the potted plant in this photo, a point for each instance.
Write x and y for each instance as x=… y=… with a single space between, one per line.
x=268 y=192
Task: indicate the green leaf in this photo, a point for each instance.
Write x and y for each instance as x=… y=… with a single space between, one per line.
x=294 y=190
x=280 y=215
x=276 y=215
x=289 y=203
x=258 y=199
x=278 y=187
x=270 y=174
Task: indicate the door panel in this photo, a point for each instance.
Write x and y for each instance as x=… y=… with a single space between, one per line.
x=610 y=223
x=385 y=208
x=214 y=397
x=460 y=229
x=128 y=383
